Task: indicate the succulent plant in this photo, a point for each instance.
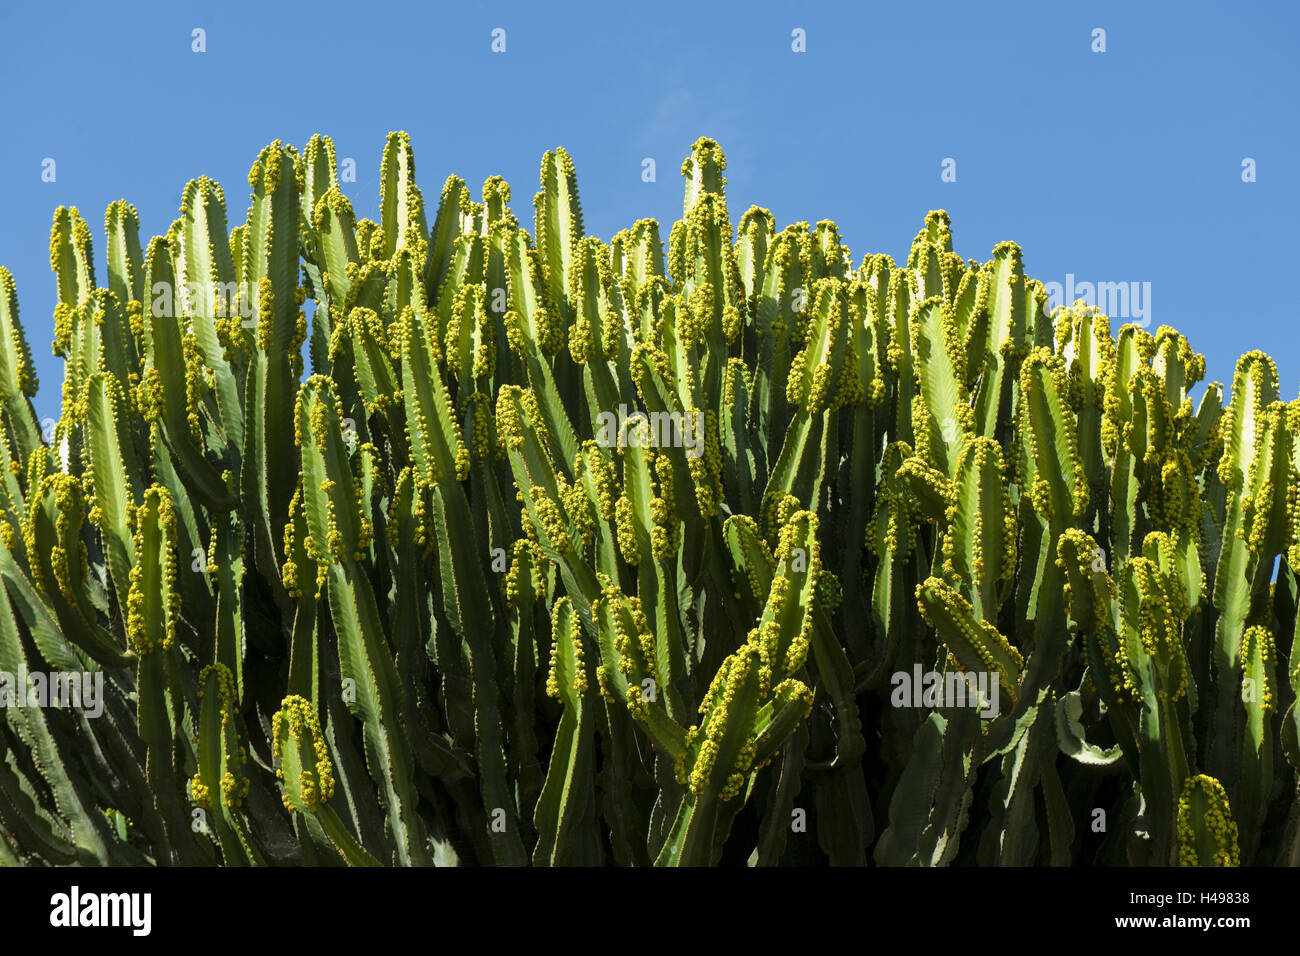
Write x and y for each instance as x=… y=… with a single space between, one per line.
x=433 y=540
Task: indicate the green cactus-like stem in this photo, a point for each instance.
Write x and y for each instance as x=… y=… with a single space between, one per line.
x=565 y=807
x=340 y=533
x=1240 y=575
x=78 y=833
x=117 y=476
x=220 y=784
x=270 y=272
x=308 y=775
x=976 y=645
x=18 y=382
x=170 y=389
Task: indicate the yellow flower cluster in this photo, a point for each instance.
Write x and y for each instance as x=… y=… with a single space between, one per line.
x=1207 y=834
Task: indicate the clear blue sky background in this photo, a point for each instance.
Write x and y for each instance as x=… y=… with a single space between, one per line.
x=1122 y=166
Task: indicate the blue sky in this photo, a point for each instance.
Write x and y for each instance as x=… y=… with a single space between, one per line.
x=1123 y=166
